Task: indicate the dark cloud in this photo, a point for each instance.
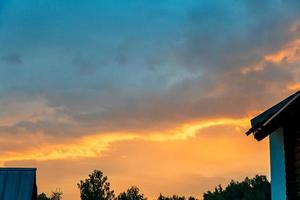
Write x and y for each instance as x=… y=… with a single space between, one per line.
x=222 y=36
x=48 y=127
x=121 y=58
x=13 y=59
x=182 y=62
x=85 y=67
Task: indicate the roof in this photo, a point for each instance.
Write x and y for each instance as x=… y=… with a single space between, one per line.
x=18 y=183
x=282 y=114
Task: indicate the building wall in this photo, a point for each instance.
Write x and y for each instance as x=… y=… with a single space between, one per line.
x=292 y=161
x=278 y=175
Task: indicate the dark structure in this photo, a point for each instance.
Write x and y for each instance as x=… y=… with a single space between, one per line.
x=282 y=123
x=18 y=184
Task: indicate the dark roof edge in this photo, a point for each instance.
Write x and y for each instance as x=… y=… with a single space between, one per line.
x=263 y=117
x=261 y=124
x=16 y=169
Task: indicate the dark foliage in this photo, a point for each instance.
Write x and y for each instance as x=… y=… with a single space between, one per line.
x=175 y=197
x=133 y=193
x=42 y=196
x=57 y=195
x=96 y=187
x=257 y=188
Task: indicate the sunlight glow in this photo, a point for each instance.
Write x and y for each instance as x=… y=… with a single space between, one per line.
x=94 y=145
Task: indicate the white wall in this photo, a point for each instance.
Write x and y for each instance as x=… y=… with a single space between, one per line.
x=278 y=179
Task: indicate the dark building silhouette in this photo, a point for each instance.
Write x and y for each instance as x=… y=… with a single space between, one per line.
x=18 y=184
x=282 y=124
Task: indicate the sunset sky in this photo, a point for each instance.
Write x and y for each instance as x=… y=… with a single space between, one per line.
x=155 y=93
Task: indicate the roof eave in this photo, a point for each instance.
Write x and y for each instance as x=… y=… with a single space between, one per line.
x=285 y=108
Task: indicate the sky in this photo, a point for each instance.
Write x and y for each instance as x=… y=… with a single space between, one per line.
x=156 y=94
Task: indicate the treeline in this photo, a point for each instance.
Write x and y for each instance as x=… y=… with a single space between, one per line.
x=97 y=187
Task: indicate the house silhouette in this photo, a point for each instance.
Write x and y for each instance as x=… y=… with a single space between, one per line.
x=282 y=124
x=18 y=184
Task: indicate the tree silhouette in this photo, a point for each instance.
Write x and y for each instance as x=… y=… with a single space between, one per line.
x=95 y=187
x=42 y=196
x=57 y=195
x=174 y=197
x=133 y=193
x=257 y=188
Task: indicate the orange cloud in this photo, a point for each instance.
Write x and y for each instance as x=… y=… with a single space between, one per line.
x=289 y=53
x=293 y=87
x=95 y=145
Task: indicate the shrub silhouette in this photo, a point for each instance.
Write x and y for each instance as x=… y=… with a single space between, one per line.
x=257 y=188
